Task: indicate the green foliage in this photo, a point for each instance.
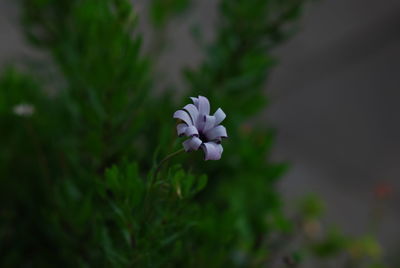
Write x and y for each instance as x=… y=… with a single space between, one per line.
x=105 y=78
x=333 y=243
x=162 y=10
x=80 y=183
x=311 y=207
x=185 y=185
x=239 y=60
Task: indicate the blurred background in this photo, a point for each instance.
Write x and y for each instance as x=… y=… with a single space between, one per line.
x=334 y=101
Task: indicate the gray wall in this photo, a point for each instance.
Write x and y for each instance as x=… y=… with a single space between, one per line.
x=336 y=106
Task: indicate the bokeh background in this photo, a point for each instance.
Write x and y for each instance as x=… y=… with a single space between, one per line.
x=334 y=101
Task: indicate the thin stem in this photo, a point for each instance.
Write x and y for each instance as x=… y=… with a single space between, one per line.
x=153 y=179
x=166 y=159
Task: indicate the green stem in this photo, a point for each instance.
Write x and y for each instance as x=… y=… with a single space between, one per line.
x=160 y=165
x=154 y=177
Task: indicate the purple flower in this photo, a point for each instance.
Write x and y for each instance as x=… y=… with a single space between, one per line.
x=204 y=130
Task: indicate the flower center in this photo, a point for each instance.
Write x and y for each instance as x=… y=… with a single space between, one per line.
x=202 y=137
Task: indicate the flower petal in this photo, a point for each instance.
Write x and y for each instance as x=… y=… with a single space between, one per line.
x=184 y=116
x=210 y=123
x=193 y=112
x=204 y=106
x=192 y=144
x=191 y=131
x=201 y=121
x=181 y=128
x=195 y=101
x=220 y=116
x=216 y=133
x=212 y=150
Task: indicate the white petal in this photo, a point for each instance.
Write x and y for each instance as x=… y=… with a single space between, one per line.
x=193 y=112
x=192 y=144
x=181 y=129
x=210 y=123
x=191 y=131
x=212 y=150
x=195 y=102
x=201 y=121
x=216 y=133
x=184 y=116
x=204 y=106
x=220 y=116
